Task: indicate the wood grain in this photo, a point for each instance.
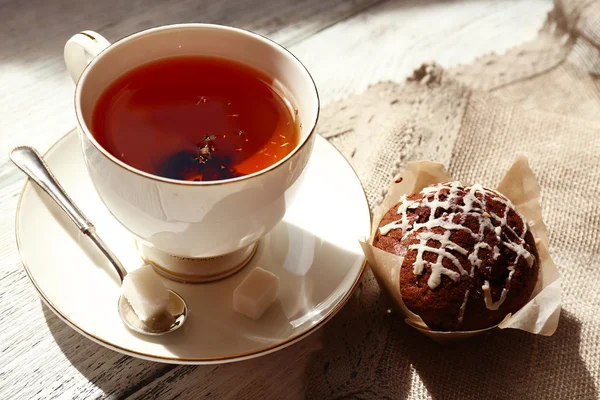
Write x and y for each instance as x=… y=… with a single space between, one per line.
x=347 y=45
x=390 y=40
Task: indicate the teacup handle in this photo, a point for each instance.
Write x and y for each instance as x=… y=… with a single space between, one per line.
x=76 y=48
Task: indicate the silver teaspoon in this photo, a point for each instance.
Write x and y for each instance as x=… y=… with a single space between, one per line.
x=30 y=162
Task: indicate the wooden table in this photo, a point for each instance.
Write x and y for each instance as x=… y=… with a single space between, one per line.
x=346 y=44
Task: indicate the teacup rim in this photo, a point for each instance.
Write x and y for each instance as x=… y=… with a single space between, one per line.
x=86 y=131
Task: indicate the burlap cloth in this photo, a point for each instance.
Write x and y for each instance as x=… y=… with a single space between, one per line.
x=541 y=99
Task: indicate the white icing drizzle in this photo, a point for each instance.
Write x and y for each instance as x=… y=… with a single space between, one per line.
x=472 y=206
x=403 y=222
x=463 y=306
x=489 y=303
x=496 y=252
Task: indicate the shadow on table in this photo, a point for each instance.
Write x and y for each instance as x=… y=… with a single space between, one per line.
x=114 y=373
x=357 y=359
x=504 y=364
x=119 y=376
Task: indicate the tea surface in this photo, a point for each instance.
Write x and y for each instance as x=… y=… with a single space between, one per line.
x=195 y=118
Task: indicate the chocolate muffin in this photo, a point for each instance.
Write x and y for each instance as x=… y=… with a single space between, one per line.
x=469 y=256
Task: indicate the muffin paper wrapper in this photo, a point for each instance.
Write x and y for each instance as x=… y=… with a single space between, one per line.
x=540 y=315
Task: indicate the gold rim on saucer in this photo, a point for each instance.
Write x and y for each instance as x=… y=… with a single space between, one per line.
x=182 y=360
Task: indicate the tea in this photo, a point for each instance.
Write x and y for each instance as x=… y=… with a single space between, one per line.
x=195 y=118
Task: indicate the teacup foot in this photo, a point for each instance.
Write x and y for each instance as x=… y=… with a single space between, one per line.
x=196 y=270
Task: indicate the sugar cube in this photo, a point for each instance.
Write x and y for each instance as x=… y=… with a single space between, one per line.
x=146 y=293
x=257 y=292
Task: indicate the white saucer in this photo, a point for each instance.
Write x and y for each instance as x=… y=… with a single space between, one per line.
x=314 y=251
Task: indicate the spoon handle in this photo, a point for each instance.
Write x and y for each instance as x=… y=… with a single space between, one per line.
x=30 y=162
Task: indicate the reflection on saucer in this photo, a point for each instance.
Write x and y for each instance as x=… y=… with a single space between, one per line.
x=301 y=249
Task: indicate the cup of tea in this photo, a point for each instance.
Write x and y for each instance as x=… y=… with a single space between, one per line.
x=194 y=136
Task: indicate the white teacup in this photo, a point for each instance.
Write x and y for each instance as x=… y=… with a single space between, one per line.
x=191 y=231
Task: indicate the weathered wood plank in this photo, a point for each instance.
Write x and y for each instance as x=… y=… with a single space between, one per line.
x=390 y=40
x=279 y=375
x=41 y=357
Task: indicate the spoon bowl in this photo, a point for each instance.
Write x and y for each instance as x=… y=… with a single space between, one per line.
x=177 y=313
x=31 y=163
